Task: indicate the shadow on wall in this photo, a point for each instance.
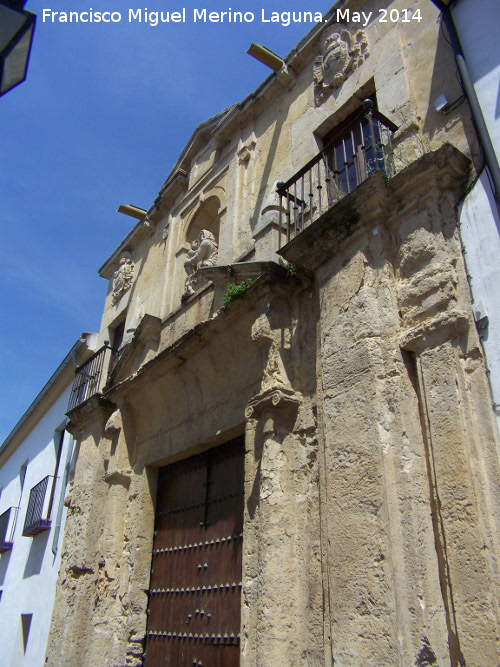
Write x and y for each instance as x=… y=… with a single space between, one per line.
x=445 y=79
x=36 y=554
x=4 y=564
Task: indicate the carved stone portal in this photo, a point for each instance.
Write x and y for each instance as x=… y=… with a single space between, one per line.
x=204 y=252
x=341 y=52
x=123 y=277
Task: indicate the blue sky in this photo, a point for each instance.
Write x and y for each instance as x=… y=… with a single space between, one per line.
x=99 y=122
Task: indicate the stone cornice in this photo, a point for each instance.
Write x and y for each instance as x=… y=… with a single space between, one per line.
x=236 y=271
x=355 y=211
x=176 y=184
x=446 y=169
x=435 y=331
x=83 y=415
x=142 y=229
x=274 y=278
x=147 y=333
x=376 y=201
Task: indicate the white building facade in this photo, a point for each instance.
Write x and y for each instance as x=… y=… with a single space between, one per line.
x=36 y=461
x=477 y=26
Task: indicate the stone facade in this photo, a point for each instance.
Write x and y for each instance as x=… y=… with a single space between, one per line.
x=351 y=363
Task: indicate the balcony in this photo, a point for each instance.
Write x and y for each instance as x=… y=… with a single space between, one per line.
x=39 y=507
x=360 y=147
x=7 y=527
x=89 y=378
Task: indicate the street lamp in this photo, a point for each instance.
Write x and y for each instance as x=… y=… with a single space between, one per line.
x=16 y=34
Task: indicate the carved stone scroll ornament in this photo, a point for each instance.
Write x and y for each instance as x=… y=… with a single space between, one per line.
x=274 y=397
x=204 y=252
x=341 y=52
x=123 y=277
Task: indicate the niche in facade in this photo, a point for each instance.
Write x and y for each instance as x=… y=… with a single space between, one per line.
x=203 y=238
x=207 y=217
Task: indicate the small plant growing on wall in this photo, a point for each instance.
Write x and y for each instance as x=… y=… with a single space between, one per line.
x=234 y=291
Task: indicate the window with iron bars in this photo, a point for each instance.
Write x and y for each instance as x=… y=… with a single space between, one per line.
x=39 y=508
x=359 y=147
x=5 y=542
x=8 y=521
x=355 y=149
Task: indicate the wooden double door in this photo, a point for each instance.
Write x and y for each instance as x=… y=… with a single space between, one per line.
x=195 y=590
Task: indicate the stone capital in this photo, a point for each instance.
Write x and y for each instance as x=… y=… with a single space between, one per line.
x=276 y=397
x=123 y=477
x=435 y=331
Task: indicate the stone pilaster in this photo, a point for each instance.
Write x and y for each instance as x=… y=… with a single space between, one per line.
x=282 y=597
x=463 y=477
x=101 y=598
x=70 y=632
x=411 y=463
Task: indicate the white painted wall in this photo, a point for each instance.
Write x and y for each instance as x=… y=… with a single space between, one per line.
x=478 y=25
x=28 y=573
x=480 y=231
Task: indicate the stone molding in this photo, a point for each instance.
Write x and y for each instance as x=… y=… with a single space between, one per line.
x=147 y=335
x=245 y=153
x=123 y=477
x=149 y=330
x=177 y=184
x=274 y=397
x=434 y=331
x=93 y=409
x=113 y=425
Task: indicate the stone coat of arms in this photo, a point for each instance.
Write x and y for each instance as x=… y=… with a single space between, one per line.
x=341 y=52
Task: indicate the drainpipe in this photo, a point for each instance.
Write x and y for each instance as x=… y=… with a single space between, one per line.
x=470 y=92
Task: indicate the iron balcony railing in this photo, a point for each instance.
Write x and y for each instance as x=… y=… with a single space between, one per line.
x=38 y=512
x=88 y=378
x=361 y=147
x=7 y=527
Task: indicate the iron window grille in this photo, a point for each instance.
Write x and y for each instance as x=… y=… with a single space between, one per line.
x=39 y=507
x=7 y=527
